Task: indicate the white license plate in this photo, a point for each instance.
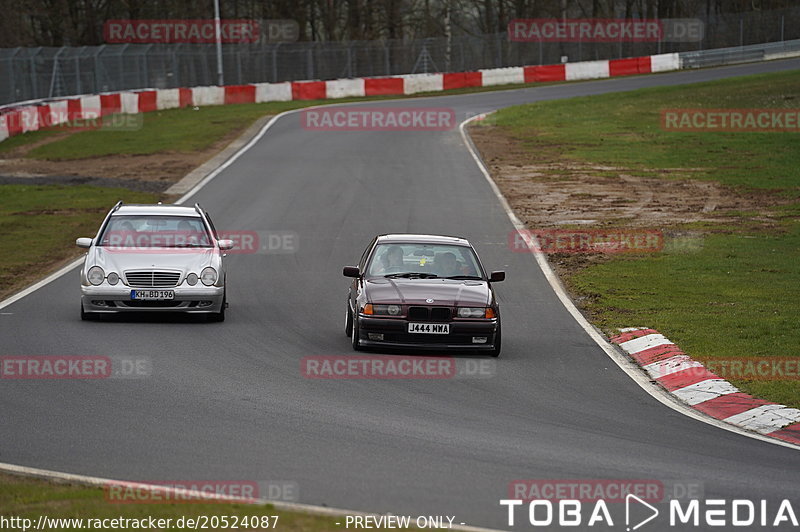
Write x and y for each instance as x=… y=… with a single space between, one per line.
x=429 y=328
x=153 y=295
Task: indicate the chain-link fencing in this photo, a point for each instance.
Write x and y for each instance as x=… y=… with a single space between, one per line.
x=31 y=73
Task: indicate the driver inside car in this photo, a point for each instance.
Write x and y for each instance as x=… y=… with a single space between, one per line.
x=392 y=260
x=448 y=265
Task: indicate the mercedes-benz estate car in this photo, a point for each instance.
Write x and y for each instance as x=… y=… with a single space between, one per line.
x=424 y=292
x=154 y=258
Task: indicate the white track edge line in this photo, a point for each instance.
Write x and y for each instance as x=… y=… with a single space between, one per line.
x=97 y=481
x=632 y=370
x=37 y=285
x=203 y=182
x=626 y=365
x=281 y=505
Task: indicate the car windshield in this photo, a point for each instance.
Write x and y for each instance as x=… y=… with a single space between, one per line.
x=424 y=260
x=148 y=231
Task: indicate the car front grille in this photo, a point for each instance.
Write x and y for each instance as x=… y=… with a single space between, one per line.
x=152 y=279
x=429 y=313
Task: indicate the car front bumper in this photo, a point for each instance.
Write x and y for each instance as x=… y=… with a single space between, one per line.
x=112 y=299
x=462 y=335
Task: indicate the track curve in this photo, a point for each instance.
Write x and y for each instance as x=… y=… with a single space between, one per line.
x=228 y=401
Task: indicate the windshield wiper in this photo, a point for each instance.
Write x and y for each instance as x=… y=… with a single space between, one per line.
x=409 y=275
x=463 y=277
x=190 y=246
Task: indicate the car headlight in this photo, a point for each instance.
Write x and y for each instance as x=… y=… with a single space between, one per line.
x=112 y=278
x=385 y=310
x=475 y=312
x=208 y=276
x=95 y=275
x=191 y=279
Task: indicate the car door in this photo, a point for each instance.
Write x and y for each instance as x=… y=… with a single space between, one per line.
x=358 y=284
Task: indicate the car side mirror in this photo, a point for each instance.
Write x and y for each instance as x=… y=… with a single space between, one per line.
x=496 y=277
x=83 y=242
x=351 y=271
x=225 y=244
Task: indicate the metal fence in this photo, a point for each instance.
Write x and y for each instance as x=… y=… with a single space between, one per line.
x=31 y=73
x=740 y=54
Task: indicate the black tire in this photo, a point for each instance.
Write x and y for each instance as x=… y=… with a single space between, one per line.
x=497 y=343
x=219 y=317
x=348 y=321
x=354 y=337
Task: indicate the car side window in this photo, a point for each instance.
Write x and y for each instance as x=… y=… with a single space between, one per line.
x=363 y=262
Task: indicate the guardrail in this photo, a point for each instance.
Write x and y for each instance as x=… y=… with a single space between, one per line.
x=740 y=54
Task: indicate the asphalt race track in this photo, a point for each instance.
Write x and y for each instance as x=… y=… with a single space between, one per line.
x=228 y=401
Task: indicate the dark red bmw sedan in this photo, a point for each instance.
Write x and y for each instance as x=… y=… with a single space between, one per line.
x=424 y=292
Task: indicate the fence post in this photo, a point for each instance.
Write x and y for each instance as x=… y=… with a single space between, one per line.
x=783 y=27
x=78 y=72
x=238 y=65
x=498 y=46
x=12 y=81
x=176 y=67
x=146 y=68
x=13 y=92
x=386 y=60
x=275 y=62
x=310 y=61
x=741 y=32
x=32 y=67
x=98 y=87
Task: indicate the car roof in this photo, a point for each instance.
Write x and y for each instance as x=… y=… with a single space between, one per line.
x=421 y=239
x=169 y=210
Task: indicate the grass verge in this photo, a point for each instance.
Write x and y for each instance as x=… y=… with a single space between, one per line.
x=40 y=224
x=32 y=498
x=186 y=129
x=734 y=295
x=624 y=129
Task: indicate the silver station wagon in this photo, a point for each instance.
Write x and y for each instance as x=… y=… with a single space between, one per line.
x=154 y=258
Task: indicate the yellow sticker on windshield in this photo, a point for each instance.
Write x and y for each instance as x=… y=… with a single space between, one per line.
x=422 y=261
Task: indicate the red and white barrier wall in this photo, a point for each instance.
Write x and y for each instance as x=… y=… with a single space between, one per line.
x=21 y=118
